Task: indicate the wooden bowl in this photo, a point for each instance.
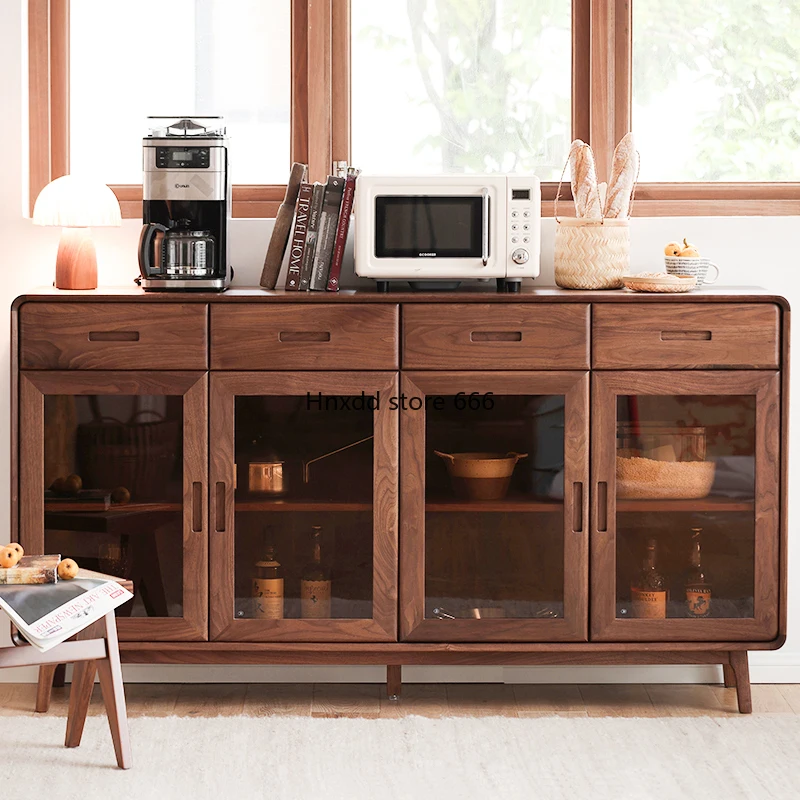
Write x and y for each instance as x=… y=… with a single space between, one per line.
x=662 y=282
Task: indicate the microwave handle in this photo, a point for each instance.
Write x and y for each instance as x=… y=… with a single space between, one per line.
x=485 y=232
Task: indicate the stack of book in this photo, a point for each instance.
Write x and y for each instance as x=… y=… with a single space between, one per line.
x=321 y=223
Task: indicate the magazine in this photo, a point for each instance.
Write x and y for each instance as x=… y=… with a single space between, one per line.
x=48 y=614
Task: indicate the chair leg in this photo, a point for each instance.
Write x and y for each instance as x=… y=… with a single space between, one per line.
x=80 y=692
x=728 y=676
x=109 y=671
x=44 y=688
x=741 y=669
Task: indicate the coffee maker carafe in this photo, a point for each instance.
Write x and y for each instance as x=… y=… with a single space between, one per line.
x=187 y=204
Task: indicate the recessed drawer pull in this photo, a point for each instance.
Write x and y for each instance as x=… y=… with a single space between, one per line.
x=495 y=336
x=220 y=510
x=113 y=336
x=685 y=336
x=304 y=336
x=197 y=507
x=577 y=507
x=602 y=506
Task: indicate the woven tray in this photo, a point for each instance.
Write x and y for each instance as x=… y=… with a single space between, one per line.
x=659 y=282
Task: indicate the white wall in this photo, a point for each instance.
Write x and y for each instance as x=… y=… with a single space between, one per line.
x=750 y=251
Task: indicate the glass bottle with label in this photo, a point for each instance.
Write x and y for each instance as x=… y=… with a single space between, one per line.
x=649 y=589
x=315 y=583
x=698 y=589
x=268 y=586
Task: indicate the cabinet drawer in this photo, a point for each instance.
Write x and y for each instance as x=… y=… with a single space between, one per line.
x=685 y=335
x=496 y=336
x=309 y=336
x=113 y=336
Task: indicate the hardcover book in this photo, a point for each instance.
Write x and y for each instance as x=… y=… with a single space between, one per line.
x=311 y=238
x=31 y=570
x=328 y=220
x=297 y=244
x=342 y=228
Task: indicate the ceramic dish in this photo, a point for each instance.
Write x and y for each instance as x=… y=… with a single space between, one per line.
x=659 y=282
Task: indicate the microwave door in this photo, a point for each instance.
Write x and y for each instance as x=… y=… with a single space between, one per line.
x=432 y=227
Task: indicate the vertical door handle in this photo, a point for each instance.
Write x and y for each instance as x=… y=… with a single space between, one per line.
x=197 y=507
x=577 y=507
x=485 y=226
x=219 y=507
x=602 y=506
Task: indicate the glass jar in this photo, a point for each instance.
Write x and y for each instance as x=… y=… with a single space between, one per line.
x=661 y=442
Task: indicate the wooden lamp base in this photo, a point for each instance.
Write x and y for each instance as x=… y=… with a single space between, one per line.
x=76 y=262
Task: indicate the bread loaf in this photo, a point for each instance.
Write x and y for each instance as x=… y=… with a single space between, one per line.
x=624 y=169
x=584 y=180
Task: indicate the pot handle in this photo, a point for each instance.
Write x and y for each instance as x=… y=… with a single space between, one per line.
x=446 y=455
x=518 y=456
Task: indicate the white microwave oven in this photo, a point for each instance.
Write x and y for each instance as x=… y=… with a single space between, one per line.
x=447 y=227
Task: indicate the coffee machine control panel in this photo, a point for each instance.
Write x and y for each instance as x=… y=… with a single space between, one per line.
x=182 y=157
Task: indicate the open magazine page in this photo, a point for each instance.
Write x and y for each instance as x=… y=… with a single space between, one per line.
x=48 y=614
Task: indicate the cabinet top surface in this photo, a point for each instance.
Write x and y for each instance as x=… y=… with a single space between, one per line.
x=255 y=294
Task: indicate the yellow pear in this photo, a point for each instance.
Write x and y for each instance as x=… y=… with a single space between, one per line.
x=689 y=251
x=673 y=249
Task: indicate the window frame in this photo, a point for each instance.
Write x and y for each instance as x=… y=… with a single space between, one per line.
x=602 y=44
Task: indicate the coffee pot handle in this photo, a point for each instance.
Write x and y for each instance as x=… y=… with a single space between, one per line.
x=146 y=247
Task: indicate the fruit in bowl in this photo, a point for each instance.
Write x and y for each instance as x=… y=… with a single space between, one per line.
x=678 y=250
x=673 y=249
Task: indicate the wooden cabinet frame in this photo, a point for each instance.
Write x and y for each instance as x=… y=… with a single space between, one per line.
x=224 y=626
x=765 y=386
x=193 y=388
x=574 y=386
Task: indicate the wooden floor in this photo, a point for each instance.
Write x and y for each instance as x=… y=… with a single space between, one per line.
x=429 y=700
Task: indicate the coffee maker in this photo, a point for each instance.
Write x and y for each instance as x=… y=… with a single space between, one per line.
x=186 y=206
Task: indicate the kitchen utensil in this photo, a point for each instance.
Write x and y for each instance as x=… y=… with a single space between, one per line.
x=481 y=476
x=698 y=267
x=660 y=282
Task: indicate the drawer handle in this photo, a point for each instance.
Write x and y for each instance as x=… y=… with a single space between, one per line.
x=577 y=507
x=304 y=336
x=495 y=336
x=197 y=507
x=685 y=336
x=219 y=511
x=602 y=506
x=113 y=336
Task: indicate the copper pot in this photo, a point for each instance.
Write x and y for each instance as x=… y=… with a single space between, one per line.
x=481 y=476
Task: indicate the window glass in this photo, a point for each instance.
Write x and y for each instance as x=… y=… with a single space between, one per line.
x=130 y=59
x=716 y=88
x=455 y=86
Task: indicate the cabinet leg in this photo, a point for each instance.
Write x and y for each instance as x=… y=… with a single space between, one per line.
x=60 y=676
x=394 y=680
x=728 y=676
x=741 y=670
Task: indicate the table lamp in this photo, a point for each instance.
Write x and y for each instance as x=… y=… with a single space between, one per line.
x=76 y=203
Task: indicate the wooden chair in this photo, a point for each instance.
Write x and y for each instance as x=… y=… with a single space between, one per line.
x=94 y=649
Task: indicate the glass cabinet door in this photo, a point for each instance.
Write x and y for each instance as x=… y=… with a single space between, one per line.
x=304 y=506
x=113 y=474
x=686 y=508
x=494 y=537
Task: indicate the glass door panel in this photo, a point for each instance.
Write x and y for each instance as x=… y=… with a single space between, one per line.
x=687 y=512
x=305 y=501
x=122 y=479
x=501 y=549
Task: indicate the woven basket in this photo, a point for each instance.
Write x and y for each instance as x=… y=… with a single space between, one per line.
x=592 y=253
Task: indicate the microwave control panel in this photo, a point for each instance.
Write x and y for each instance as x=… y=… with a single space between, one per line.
x=523 y=204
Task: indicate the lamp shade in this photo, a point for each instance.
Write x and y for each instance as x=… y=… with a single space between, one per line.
x=76 y=202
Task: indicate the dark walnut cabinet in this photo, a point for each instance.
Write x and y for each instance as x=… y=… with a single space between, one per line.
x=228 y=443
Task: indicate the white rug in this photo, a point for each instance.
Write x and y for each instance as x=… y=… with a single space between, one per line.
x=753 y=758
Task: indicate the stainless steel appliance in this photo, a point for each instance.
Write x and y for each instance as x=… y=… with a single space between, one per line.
x=186 y=206
x=442 y=229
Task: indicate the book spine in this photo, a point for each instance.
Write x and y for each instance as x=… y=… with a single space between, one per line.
x=299 y=236
x=311 y=238
x=327 y=233
x=341 y=230
x=27 y=576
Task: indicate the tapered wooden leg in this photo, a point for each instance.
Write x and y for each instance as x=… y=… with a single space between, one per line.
x=728 y=676
x=45 y=687
x=394 y=680
x=741 y=669
x=80 y=692
x=60 y=678
x=109 y=671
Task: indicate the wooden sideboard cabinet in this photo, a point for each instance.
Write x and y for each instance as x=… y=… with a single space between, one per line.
x=227 y=442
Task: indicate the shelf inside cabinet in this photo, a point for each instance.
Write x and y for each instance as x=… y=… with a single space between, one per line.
x=519 y=504
x=301 y=505
x=703 y=504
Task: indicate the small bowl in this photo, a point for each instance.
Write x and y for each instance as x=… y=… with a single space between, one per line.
x=661 y=282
